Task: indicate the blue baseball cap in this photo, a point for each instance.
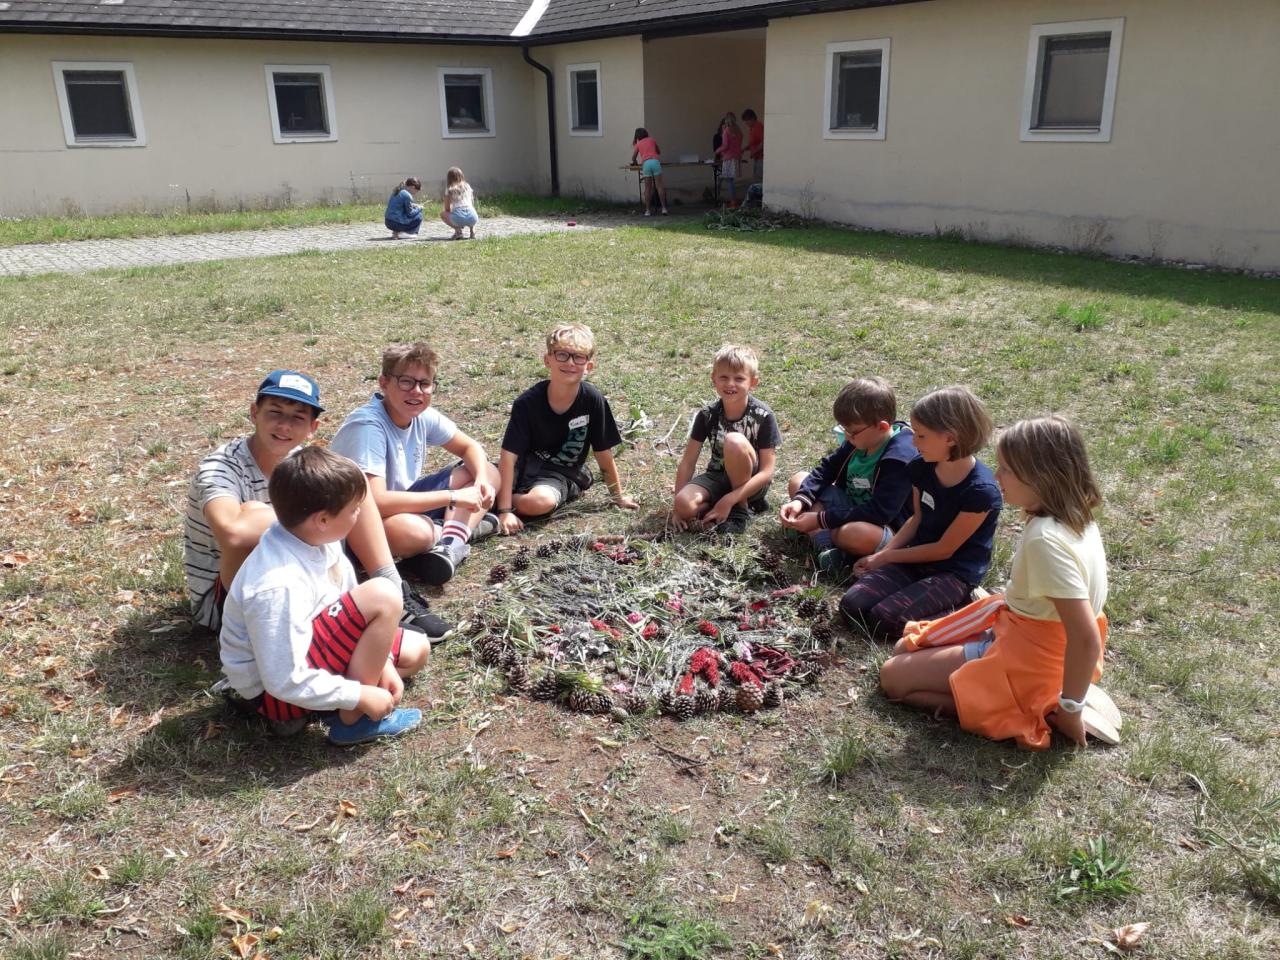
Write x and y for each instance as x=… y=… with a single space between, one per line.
x=291 y=385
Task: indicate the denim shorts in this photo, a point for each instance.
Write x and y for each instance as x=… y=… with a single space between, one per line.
x=651 y=168
x=976 y=649
x=463 y=217
x=833 y=498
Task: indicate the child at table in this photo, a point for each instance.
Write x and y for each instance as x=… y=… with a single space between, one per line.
x=644 y=150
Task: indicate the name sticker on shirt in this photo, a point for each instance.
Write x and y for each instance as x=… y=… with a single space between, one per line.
x=581 y=421
x=927 y=499
x=862 y=483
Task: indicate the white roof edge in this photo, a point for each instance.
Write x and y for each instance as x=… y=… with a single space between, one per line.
x=531 y=17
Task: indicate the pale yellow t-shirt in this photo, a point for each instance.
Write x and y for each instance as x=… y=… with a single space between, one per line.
x=1052 y=560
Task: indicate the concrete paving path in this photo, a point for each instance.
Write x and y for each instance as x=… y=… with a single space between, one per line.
x=82 y=256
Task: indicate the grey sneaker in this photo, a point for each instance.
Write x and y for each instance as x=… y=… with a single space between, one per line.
x=486 y=528
x=437 y=566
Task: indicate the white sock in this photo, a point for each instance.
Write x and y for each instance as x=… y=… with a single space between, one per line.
x=456 y=530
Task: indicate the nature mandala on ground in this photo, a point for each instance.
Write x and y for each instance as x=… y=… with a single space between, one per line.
x=634 y=625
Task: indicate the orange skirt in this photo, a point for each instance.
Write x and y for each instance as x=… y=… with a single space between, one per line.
x=1010 y=690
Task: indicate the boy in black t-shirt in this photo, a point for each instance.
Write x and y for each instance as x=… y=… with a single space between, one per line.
x=553 y=425
x=744 y=439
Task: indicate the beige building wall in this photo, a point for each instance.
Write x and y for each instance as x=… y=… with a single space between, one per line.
x=592 y=166
x=1190 y=172
x=209 y=137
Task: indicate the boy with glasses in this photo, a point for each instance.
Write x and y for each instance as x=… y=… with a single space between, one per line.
x=430 y=521
x=553 y=425
x=229 y=504
x=859 y=494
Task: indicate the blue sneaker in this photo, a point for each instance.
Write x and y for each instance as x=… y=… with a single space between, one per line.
x=399 y=721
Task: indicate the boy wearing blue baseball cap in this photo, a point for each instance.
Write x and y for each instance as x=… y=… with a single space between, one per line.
x=229 y=508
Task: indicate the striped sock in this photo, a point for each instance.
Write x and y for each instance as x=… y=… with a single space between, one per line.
x=456 y=530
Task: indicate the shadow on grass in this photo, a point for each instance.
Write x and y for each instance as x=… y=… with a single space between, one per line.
x=1020 y=265
x=157 y=658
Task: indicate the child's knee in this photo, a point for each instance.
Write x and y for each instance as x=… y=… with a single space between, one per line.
x=491 y=475
x=690 y=501
x=538 y=502
x=859 y=538
x=895 y=677
x=415 y=651
x=378 y=597
x=796 y=481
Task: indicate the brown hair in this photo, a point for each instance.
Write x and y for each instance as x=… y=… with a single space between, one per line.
x=400 y=355
x=407 y=182
x=312 y=480
x=574 y=336
x=955 y=410
x=737 y=357
x=1048 y=455
x=867 y=401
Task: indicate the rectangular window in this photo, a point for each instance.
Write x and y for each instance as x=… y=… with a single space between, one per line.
x=466 y=102
x=99 y=104
x=1071 y=80
x=857 y=93
x=300 y=99
x=584 y=100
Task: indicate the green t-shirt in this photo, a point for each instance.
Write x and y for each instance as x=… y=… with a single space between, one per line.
x=861 y=468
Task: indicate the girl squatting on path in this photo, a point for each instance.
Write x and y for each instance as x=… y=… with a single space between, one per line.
x=459 y=204
x=1011 y=664
x=942 y=552
x=403 y=215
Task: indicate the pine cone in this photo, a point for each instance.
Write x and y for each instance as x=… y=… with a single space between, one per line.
x=546 y=686
x=544 y=551
x=772 y=695
x=705 y=701
x=518 y=677
x=750 y=697
x=635 y=703
x=498 y=573
x=808 y=608
x=822 y=633
x=728 y=699
x=683 y=707
x=520 y=562
x=601 y=703
x=490 y=650
x=555 y=546
x=667 y=702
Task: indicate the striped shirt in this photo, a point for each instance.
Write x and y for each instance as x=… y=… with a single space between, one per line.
x=230 y=471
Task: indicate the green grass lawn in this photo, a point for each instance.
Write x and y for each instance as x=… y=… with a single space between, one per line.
x=138 y=820
x=117 y=226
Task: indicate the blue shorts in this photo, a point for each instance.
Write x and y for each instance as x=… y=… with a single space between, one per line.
x=432 y=482
x=975 y=649
x=837 y=499
x=463 y=217
x=651 y=168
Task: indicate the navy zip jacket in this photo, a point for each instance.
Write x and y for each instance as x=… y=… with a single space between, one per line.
x=890 y=504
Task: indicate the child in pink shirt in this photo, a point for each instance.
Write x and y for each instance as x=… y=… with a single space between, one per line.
x=644 y=149
x=729 y=153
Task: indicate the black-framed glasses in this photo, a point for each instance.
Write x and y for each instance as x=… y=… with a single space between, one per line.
x=564 y=356
x=408 y=383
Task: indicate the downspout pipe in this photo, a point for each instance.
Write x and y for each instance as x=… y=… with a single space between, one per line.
x=551 y=118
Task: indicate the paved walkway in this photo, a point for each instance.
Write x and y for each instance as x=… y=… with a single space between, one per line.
x=82 y=256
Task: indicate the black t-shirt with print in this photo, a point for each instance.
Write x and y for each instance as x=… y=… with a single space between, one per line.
x=561 y=441
x=757 y=424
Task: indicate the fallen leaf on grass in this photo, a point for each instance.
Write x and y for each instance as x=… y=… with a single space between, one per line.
x=14 y=559
x=115 y=796
x=510 y=926
x=404 y=887
x=509 y=852
x=814 y=912
x=1018 y=920
x=1131 y=936
x=16 y=898
x=304 y=827
x=243 y=945
x=936 y=831
x=211 y=730
x=272 y=935
x=348 y=809
x=398 y=915
x=230 y=913
x=730 y=897
x=98 y=872
x=861 y=886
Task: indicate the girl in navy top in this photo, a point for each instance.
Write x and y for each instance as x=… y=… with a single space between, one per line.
x=403 y=215
x=934 y=561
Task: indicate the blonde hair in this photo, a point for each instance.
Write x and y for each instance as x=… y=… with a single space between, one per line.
x=731 y=122
x=737 y=357
x=866 y=401
x=400 y=355
x=1048 y=455
x=572 y=336
x=955 y=410
x=455 y=182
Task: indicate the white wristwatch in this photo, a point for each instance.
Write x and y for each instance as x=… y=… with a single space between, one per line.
x=1067 y=705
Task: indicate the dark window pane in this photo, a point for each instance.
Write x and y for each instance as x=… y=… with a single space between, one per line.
x=300 y=103
x=464 y=102
x=1073 y=81
x=855 y=101
x=584 y=101
x=99 y=104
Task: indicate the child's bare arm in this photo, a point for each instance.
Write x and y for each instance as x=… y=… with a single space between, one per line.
x=688 y=463
x=1083 y=646
x=507 y=518
x=609 y=469
x=392 y=502
x=238 y=526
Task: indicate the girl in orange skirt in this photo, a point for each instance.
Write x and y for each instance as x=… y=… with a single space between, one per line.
x=1011 y=664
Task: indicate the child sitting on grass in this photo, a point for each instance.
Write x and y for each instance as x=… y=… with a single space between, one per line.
x=553 y=425
x=1011 y=664
x=859 y=494
x=936 y=558
x=744 y=439
x=298 y=634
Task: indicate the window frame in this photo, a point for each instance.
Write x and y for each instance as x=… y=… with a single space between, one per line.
x=60 y=69
x=572 y=89
x=854 y=46
x=486 y=88
x=327 y=97
x=1041 y=32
